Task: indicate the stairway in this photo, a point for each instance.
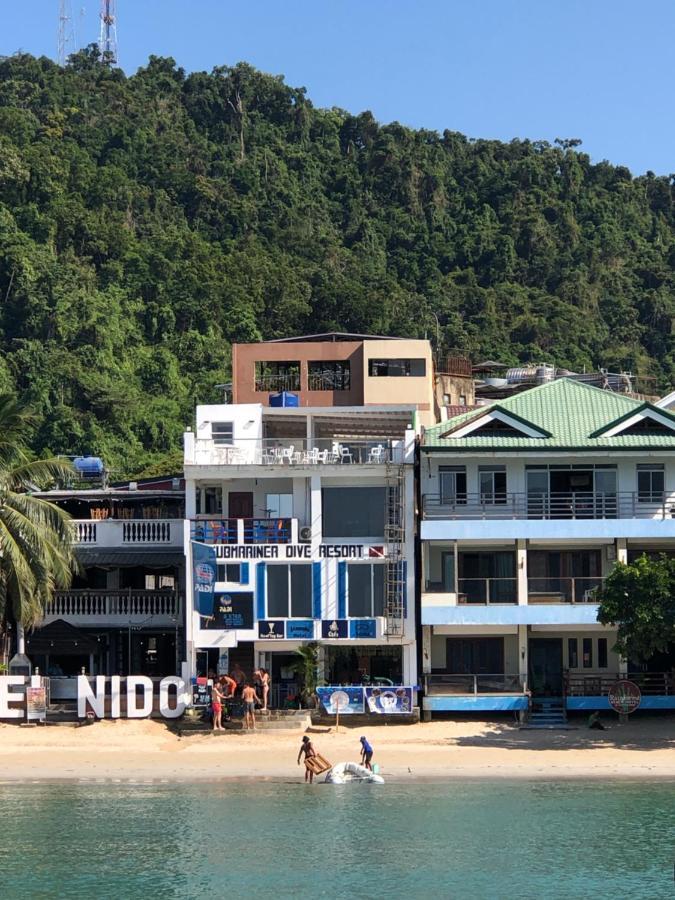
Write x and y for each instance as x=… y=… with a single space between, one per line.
x=547 y=713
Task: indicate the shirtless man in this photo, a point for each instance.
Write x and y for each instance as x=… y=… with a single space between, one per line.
x=228 y=685
x=250 y=699
x=307 y=748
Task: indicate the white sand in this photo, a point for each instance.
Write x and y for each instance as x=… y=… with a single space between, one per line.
x=148 y=750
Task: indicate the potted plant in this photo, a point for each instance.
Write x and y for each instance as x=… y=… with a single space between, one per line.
x=306 y=668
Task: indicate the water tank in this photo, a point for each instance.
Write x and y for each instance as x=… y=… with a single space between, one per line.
x=520 y=374
x=284 y=398
x=544 y=373
x=89 y=466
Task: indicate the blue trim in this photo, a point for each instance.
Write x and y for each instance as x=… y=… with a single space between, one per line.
x=243 y=573
x=260 y=585
x=587 y=703
x=316 y=590
x=537 y=614
x=342 y=590
x=475 y=704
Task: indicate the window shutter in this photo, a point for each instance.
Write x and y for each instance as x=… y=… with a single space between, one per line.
x=342 y=589
x=243 y=573
x=260 y=590
x=316 y=590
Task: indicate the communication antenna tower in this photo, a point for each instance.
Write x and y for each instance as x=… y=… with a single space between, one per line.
x=107 y=41
x=66 y=33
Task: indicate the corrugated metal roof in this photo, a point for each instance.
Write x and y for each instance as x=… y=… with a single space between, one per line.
x=571 y=411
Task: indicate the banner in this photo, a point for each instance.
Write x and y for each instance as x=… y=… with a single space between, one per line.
x=36 y=704
x=271 y=629
x=204 y=573
x=230 y=611
x=345 y=700
x=388 y=701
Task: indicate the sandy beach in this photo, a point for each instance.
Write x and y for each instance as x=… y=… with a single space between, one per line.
x=147 y=749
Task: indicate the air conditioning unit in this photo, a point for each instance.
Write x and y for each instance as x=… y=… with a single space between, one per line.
x=306 y=534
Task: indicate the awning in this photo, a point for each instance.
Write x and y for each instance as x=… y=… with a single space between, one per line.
x=61 y=638
x=90 y=556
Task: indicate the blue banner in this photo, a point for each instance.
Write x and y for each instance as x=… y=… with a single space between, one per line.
x=362 y=628
x=204 y=573
x=389 y=700
x=345 y=700
x=300 y=629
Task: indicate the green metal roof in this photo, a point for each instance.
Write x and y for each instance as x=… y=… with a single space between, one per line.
x=569 y=410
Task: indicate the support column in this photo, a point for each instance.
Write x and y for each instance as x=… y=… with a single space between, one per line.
x=521 y=571
x=316 y=516
x=426 y=649
x=621 y=550
x=522 y=653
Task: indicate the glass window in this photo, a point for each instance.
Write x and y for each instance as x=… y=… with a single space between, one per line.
x=588 y=653
x=354 y=511
x=492 y=482
x=277 y=376
x=650 y=483
x=397 y=368
x=289 y=582
x=365 y=586
x=453 y=484
x=279 y=506
x=233 y=573
x=602 y=653
x=572 y=653
x=209 y=501
x=222 y=432
x=328 y=376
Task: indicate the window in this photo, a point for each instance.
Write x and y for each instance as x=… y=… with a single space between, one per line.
x=572 y=653
x=650 y=483
x=279 y=506
x=462 y=399
x=397 y=368
x=222 y=432
x=453 y=484
x=588 y=653
x=328 y=376
x=289 y=591
x=354 y=511
x=365 y=586
x=160 y=583
x=277 y=376
x=602 y=653
x=233 y=573
x=492 y=481
x=209 y=501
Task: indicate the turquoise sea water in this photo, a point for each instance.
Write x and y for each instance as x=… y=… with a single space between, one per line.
x=458 y=840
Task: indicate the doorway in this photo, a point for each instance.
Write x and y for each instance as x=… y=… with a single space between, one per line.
x=545 y=667
x=240 y=505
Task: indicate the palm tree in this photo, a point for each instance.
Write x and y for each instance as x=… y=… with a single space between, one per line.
x=36 y=546
x=306 y=667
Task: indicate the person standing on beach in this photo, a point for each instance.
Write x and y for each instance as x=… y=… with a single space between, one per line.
x=250 y=699
x=366 y=753
x=307 y=748
x=217 y=706
x=263 y=679
x=239 y=676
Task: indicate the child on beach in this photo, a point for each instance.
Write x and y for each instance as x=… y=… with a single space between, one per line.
x=250 y=699
x=366 y=754
x=217 y=706
x=307 y=748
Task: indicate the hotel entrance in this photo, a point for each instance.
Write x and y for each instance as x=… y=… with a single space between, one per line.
x=545 y=667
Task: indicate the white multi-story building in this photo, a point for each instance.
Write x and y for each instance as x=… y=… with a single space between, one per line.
x=310 y=510
x=526 y=506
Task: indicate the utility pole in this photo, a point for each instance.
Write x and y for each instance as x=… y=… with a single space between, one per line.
x=107 y=41
x=65 y=44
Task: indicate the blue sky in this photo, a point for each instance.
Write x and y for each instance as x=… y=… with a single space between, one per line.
x=599 y=70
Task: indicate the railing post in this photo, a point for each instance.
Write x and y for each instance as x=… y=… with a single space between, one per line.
x=475 y=685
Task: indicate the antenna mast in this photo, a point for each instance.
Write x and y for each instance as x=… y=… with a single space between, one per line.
x=107 y=41
x=66 y=33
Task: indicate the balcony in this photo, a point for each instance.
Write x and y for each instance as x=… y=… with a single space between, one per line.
x=650 y=683
x=563 y=590
x=487 y=590
x=244 y=531
x=572 y=505
x=295 y=452
x=110 y=533
x=469 y=684
x=122 y=607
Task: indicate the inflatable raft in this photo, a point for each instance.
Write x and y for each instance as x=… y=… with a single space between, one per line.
x=347 y=772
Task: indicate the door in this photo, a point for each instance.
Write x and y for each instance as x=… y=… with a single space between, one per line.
x=475 y=656
x=546 y=672
x=240 y=505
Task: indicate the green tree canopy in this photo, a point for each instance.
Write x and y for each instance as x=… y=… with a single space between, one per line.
x=639 y=600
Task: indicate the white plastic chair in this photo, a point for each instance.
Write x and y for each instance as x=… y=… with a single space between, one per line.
x=345 y=454
x=287 y=453
x=375 y=454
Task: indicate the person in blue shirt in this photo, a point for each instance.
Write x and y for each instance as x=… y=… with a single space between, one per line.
x=366 y=754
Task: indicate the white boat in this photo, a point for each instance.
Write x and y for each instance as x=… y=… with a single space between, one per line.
x=346 y=772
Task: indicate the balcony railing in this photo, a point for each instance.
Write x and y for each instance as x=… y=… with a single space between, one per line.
x=572 y=505
x=473 y=684
x=650 y=683
x=563 y=590
x=487 y=590
x=122 y=604
x=125 y=532
x=244 y=531
x=276 y=383
x=298 y=452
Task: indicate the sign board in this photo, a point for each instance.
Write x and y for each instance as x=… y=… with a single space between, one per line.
x=362 y=628
x=223 y=666
x=237 y=552
x=342 y=700
x=36 y=704
x=624 y=697
x=204 y=574
x=332 y=629
x=300 y=629
x=271 y=629
x=231 y=611
x=389 y=700
x=201 y=692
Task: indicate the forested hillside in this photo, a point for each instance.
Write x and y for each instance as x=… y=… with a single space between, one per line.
x=148 y=222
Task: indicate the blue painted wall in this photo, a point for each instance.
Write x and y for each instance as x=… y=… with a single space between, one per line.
x=475 y=704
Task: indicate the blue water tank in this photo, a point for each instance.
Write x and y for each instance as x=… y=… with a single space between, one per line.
x=284 y=398
x=89 y=466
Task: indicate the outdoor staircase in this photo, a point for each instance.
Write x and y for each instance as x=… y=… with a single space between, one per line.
x=547 y=713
